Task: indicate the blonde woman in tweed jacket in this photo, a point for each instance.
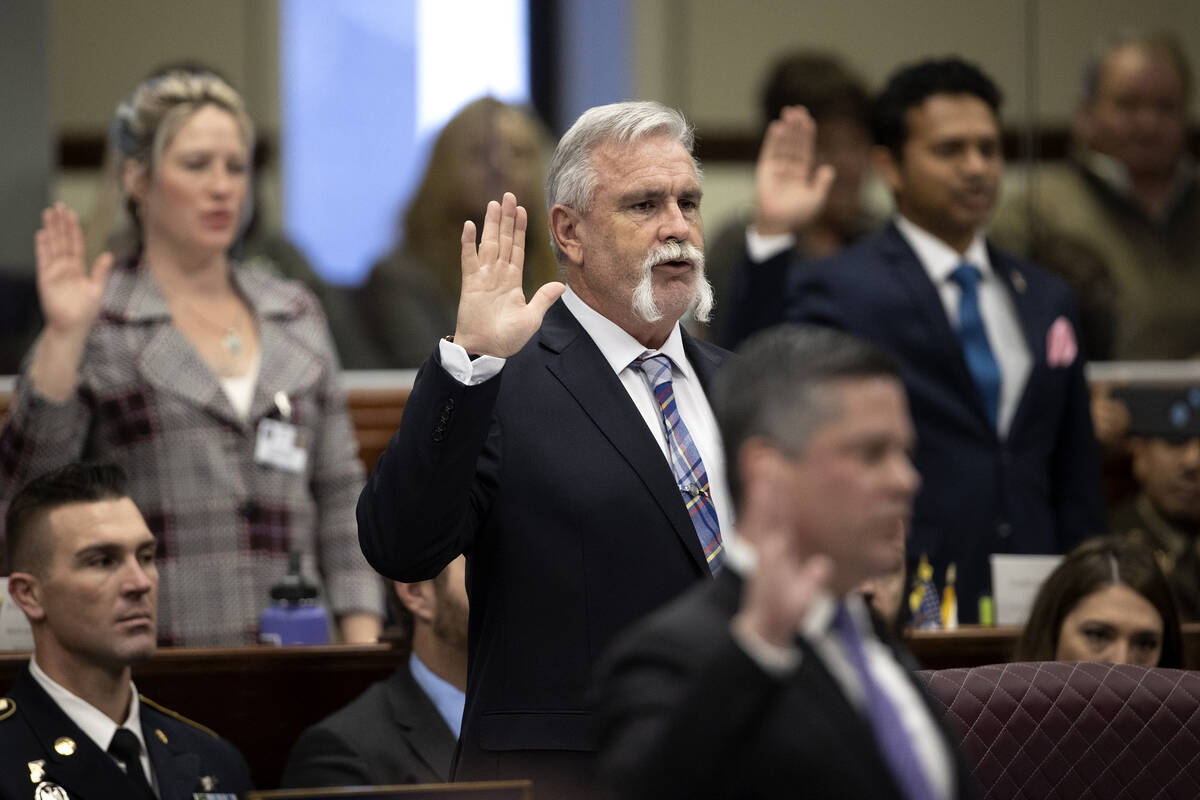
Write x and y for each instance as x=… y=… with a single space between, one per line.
x=170 y=364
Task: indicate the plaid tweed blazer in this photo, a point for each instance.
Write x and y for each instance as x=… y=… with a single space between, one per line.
x=225 y=524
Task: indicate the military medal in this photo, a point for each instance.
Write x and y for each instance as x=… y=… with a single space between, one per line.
x=50 y=791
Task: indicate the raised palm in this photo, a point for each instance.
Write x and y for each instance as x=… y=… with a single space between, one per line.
x=69 y=294
x=493 y=317
x=790 y=188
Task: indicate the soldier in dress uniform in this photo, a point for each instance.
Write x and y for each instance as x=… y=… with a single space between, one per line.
x=83 y=572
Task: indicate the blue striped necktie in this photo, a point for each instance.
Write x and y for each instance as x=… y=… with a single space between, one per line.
x=981 y=361
x=685 y=460
x=884 y=717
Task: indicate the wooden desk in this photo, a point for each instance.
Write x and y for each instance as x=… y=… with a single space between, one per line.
x=260 y=698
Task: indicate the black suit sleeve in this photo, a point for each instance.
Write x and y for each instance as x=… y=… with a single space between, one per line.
x=423 y=501
x=757 y=296
x=663 y=731
x=322 y=758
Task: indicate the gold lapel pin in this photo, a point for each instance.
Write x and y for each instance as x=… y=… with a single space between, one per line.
x=208 y=782
x=37 y=769
x=1018 y=281
x=162 y=737
x=64 y=746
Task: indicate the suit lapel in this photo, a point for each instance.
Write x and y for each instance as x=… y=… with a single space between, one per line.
x=413 y=710
x=924 y=298
x=85 y=771
x=177 y=771
x=288 y=365
x=1031 y=326
x=579 y=366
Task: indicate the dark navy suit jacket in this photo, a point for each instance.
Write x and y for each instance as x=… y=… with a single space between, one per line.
x=547 y=477
x=186 y=757
x=686 y=714
x=1035 y=491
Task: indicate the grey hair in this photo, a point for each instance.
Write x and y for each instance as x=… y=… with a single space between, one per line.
x=572 y=179
x=779 y=387
x=1160 y=43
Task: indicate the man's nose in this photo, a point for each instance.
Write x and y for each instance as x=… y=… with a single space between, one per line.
x=674 y=225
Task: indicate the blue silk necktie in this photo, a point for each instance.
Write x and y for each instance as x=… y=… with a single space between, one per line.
x=685 y=460
x=981 y=361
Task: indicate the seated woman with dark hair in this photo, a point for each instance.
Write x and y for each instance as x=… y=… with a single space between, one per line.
x=1107 y=601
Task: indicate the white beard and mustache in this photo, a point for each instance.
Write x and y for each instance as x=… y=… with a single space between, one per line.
x=644 y=306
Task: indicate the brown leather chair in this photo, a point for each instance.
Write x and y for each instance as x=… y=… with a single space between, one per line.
x=1040 y=731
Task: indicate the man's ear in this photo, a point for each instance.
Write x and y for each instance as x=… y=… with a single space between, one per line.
x=134 y=179
x=26 y=592
x=564 y=227
x=887 y=167
x=417 y=598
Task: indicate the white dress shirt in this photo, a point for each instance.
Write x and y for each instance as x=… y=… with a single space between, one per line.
x=619 y=350
x=996 y=306
x=94 y=722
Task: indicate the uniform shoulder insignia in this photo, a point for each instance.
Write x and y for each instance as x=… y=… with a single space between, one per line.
x=8 y=707
x=177 y=716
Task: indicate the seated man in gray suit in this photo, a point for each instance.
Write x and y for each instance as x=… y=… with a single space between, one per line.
x=774 y=680
x=401 y=730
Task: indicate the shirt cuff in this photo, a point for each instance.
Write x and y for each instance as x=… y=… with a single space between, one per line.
x=774 y=660
x=763 y=248
x=458 y=364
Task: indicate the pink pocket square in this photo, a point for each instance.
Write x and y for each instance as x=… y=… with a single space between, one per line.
x=1061 y=348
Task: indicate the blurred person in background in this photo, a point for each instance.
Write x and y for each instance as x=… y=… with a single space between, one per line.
x=1130 y=191
x=215 y=388
x=411 y=295
x=403 y=729
x=1107 y=601
x=748 y=259
x=1164 y=515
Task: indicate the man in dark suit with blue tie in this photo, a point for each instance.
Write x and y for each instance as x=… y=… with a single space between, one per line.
x=991 y=361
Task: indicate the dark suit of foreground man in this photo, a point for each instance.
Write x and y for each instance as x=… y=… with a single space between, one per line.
x=748 y=687
x=552 y=474
x=83 y=573
x=1014 y=473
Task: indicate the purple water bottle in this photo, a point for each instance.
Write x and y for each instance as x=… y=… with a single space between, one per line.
x=294 y=616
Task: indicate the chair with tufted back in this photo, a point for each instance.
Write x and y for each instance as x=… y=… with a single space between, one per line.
x=1040 y=731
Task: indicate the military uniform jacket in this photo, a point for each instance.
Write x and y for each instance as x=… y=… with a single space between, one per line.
x=41 y=747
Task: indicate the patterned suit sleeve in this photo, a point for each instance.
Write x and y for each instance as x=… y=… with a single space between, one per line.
x=39 y=435
x=337 y=478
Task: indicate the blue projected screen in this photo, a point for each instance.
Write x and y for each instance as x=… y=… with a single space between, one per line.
x=365 y=87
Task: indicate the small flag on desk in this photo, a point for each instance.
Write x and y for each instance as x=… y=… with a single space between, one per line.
x=923 y=600
x=950 y=600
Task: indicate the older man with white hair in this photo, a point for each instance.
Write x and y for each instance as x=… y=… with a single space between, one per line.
x=565 y=445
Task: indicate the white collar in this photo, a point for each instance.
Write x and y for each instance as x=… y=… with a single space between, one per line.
x=616 y=345
x=89 y=719
x=939 y=258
